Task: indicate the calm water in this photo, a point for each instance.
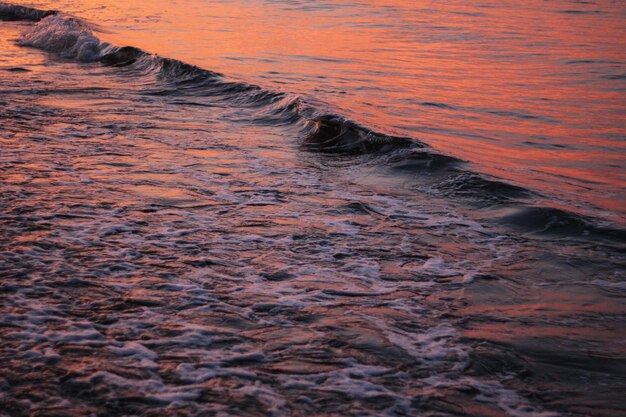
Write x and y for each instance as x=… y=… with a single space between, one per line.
x=297 y=208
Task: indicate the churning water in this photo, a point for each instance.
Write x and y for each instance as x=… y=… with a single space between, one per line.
x=295 y=208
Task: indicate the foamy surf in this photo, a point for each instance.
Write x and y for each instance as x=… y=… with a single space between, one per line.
x=177 y=243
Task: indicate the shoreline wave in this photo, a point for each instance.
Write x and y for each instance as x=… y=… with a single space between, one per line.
x=321 y=132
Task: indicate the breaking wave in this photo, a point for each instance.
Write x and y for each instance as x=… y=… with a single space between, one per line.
x=320 y=131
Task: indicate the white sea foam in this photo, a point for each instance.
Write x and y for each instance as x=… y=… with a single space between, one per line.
x=68 y=36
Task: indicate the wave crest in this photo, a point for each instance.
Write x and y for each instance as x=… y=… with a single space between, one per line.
x=334 y=134
x=67 y=36
x=321 y=132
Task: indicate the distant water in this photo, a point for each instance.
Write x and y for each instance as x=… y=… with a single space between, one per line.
x=297 y=208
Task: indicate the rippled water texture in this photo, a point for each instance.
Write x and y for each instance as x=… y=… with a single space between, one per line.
x=530 y=91
x=418 y=211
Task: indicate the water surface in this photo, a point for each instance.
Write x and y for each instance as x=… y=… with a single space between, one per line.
x=533 y=92
x=357 y=218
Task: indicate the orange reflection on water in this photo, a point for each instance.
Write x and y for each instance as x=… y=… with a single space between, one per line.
x=528 y=91
x=562 y=319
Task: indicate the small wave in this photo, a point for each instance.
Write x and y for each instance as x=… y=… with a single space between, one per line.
x=321 y=132
x=67 y=36
x=558 y=222
x=73 y=38
x=325 y=133
x=545 y=220
x=121 y=57
x=439 y=105
x=417 y=160
x=336 y=135
x=487 y=191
